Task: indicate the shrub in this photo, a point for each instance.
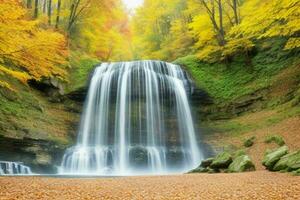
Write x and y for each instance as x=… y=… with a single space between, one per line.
x=275 y=138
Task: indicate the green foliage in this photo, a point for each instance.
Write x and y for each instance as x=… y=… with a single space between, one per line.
x=228 y=82
x=276 y=139
x=249 y=142
x=29 y=114
x=82 y=66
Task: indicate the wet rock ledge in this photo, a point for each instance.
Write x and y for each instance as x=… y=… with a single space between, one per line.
x=41 y=155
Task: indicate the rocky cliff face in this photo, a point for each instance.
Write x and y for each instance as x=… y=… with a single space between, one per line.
x=37 y=124
x=41 y=155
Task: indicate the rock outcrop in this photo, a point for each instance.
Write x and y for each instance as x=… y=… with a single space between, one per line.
x=272 y=157
x=226 y=162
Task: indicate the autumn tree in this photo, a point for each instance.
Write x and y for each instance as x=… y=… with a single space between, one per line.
x=27 y=51
x=278 y=18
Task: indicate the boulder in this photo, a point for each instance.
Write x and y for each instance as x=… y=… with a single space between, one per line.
x=212 y=171
x=222 y=161
x=297 y=172
x=289 y=162
x=271 y=158
x=207 y=162
x=241 y=164
x=238 y=153
x=199 y=170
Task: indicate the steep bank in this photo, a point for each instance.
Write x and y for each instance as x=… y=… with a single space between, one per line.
x=37 y=122
x=243 y=100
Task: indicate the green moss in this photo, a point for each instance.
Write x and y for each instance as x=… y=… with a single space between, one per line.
x=249 y=142
x=222 y=160
x=227 y=82
x=272 y=157
x=28 y=113
x=238 y=153
x=81 y=67
x=289 y=162
x=296 y=172
x=236 y=127
x=276 y=139
x=241 y=164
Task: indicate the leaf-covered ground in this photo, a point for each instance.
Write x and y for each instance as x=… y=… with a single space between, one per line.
x=253 y=185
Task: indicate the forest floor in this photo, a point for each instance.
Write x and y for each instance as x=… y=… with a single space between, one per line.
x=250 y=185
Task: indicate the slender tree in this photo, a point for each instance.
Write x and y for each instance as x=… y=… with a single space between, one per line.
x=211 y=11
x=77 y=8
x=29 y=4
x=234 y=4
x=44 y=6
x=36 y=9
x=221 y=26
x=49 y=11
x=58 y=14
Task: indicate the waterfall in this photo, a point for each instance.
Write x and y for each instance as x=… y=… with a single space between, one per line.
x=13 y=168
x=136 y=120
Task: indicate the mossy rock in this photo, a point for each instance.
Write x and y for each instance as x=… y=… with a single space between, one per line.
x=222 y=161
x=249 y=142
x=212 y=171
x=276 y=139
x=199 y=170
x=241 y=164
x=238 y=153
x=207 y=162
x=43 y=159
x=271 y=158
x=296 y=173
x=288 y=162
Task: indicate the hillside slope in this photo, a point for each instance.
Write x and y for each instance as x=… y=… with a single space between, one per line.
x=258 y=100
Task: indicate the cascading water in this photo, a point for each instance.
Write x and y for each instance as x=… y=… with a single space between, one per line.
x=13 y=168
x=136 y=120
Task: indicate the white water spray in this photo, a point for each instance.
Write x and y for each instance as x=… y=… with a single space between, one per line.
x=136 y=120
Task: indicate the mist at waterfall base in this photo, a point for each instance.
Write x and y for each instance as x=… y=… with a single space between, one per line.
x=136 y=121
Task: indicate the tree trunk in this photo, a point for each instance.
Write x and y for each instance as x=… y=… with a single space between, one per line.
x=36 y=9
x=29 y=4
x=221 y=27
x=44 y=6
x=236 y=16
x=49 y=11
x=58 y=14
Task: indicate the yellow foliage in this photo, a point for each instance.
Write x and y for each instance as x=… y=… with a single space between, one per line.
x=277 y=18
x=210 y=53
x=236 y=46
x=21 y=76
x=32 y=51
x=292 y=43
x=104 y=31
x=170 y=29
x=5 y=85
